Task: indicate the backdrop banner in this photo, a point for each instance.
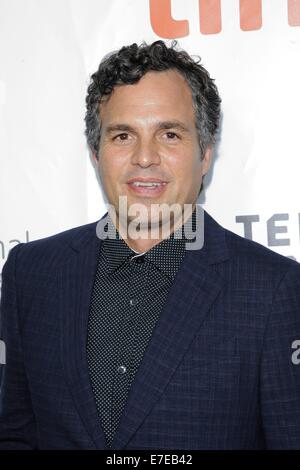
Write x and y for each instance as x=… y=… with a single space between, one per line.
x=49 y=49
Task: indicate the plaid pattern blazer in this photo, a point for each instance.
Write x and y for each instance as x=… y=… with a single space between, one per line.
x=218 y=372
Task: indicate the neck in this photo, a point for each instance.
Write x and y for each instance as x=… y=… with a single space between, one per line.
x=145 y=242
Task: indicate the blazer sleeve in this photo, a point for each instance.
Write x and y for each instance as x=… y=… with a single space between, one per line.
x=280 y=366
x=17 y=422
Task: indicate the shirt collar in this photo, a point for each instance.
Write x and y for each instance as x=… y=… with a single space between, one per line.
x=167 y=255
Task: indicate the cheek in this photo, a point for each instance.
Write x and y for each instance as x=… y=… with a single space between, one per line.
x=111 y=166
x=187 y=168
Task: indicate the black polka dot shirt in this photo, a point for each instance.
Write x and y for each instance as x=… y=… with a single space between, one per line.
x=129 y=291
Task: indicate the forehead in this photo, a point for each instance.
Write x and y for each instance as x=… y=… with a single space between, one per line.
x=164 y=92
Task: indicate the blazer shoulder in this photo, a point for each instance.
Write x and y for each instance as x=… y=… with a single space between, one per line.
x=51 y=250
x=262 y=258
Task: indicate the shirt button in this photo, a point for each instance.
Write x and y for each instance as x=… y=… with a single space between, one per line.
x=121 y=369
x=133 y=301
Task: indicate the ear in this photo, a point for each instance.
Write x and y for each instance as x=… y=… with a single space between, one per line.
x=206 y=161
x=95 y=159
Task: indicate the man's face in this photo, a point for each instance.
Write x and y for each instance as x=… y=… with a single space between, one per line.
x=148 y=132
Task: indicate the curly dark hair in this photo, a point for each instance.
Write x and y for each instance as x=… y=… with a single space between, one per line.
x=130 y=63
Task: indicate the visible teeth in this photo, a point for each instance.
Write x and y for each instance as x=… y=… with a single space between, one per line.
x=139 y=183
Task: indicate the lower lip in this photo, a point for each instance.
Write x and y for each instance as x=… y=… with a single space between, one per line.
x=148 y=191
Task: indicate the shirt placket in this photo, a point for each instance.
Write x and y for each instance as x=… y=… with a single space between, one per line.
x=137 y=273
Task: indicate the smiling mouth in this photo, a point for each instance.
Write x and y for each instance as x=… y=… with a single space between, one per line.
x=150 y=184
x=148 y=188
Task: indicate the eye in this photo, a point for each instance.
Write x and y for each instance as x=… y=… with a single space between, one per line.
x=172 y=135
x=123 y=136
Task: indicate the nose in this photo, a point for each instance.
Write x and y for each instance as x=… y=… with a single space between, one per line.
x=146 y=153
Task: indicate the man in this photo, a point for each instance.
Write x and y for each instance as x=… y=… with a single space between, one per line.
x=126 y=342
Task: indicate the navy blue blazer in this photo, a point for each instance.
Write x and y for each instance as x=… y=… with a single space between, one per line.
x=218 y=372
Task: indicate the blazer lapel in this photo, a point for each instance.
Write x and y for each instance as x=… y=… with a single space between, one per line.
x=178 y=323
x=76 y=282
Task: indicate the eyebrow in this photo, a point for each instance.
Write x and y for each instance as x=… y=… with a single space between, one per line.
x=159 y=125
